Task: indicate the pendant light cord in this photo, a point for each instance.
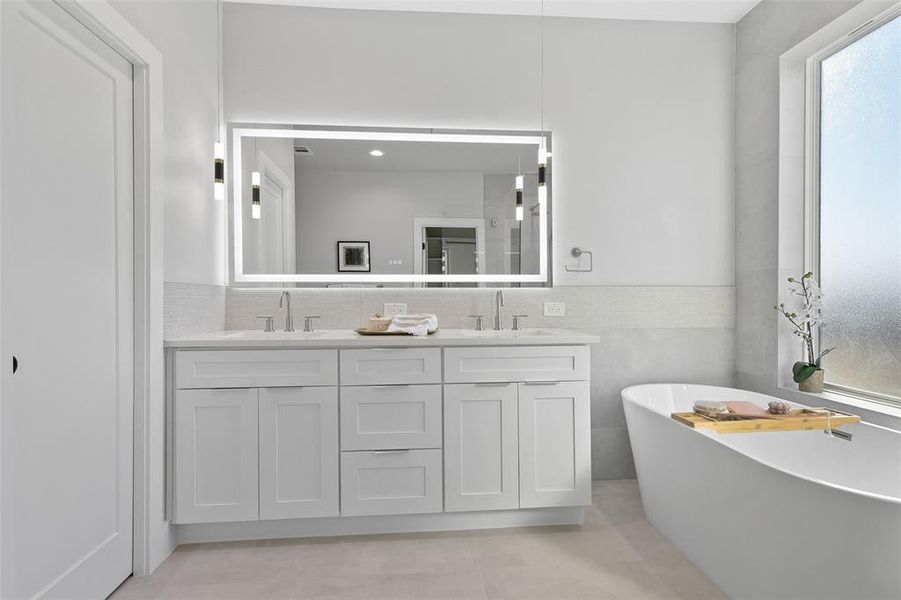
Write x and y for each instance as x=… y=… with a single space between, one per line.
x=219 y=70
x=541 y=66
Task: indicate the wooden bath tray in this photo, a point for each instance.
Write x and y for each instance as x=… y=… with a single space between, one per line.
x=806 y=419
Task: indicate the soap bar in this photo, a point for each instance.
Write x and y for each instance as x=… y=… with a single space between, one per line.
x=378 y=323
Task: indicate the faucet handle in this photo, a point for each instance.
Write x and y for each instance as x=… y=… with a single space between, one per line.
x=308 y=322
x=478 y=319
x=268 y=326
x=516 y=319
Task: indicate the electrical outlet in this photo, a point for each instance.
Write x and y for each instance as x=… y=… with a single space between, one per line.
x=554 y=309
x=392 y=309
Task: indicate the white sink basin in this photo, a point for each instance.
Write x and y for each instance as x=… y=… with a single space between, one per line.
x=273 y=335
x=507 y=333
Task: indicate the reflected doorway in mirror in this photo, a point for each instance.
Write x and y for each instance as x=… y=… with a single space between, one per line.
x=353 y=257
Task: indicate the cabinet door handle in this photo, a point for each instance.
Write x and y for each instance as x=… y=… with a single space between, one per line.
x=391 y=451
x=15 y=364
x=541 y=382
x=493 y=383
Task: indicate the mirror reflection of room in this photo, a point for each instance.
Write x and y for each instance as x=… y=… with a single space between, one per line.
x=395 y=207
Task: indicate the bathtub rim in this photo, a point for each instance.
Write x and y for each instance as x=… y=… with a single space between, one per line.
x=716 y=438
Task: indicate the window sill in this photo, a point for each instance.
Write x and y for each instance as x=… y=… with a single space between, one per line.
x=853 y=403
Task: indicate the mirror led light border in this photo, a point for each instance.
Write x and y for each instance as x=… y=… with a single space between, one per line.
x=239 y=132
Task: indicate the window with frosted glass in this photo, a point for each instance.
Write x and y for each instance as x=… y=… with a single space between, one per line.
x=860 y=212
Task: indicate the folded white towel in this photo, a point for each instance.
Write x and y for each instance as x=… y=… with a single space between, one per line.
x=419 y=325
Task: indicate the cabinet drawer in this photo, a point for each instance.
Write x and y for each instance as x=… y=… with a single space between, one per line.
x=516 y=363
x=391 y=482
x=374 y=366
x=255 y=368
x=390 y=417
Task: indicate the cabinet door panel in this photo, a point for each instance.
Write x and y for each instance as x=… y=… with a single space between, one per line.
x=298 y=452
x=216 y=456
x=554 y=444
x=481 y=447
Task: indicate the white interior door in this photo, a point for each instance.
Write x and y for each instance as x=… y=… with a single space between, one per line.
x=277 y=217
x=66 y=308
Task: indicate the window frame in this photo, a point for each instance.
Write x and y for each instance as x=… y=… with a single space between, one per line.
x=812 y=149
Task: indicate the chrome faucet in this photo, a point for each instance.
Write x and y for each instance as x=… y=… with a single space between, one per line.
x=284 y=301
x=498 y=303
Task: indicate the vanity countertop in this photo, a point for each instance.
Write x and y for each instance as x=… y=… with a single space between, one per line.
x=346 y=338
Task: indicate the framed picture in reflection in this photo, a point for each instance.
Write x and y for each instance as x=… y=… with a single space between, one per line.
x=353 y=257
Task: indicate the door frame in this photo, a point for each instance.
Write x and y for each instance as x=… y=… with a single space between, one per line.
x=420 y=222
x=153 y=537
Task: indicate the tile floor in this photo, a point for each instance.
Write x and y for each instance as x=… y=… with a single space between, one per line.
x=615 y=554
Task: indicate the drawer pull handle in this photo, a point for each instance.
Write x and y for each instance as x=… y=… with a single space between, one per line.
x=493 y=384
x=406 y=451
x=392 y=385
x=541 y=382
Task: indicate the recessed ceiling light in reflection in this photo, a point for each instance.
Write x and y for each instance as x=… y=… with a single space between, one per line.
x=376 y=153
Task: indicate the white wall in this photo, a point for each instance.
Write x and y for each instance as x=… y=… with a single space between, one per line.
x=185 y=34
x=641 y=114
x=194 y=234
x=376 y=206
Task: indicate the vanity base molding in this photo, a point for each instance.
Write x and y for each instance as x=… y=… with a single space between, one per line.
x=340 y=526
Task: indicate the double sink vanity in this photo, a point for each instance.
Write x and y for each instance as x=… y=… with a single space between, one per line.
x=330 y=432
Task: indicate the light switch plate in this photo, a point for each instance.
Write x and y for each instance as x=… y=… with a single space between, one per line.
x=554 y=309
x=392 y=309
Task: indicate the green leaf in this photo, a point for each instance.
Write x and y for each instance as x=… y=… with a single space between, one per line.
x=802 y=370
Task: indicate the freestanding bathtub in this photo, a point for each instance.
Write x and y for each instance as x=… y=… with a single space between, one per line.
x=772 y=515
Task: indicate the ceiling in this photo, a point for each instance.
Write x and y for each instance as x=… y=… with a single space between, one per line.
x=696 y=11
x=353 y=155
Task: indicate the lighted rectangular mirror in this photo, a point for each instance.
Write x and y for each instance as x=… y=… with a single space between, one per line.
x=399 y=207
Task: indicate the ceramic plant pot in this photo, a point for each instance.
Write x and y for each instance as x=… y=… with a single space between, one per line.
x=814 y=383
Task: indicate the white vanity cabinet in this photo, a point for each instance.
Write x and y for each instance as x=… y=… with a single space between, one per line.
x=402 y=437
x=245 y=453
x=517 y=433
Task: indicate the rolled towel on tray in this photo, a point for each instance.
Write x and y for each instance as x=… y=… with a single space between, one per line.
x=419 y=325
x=710 y=408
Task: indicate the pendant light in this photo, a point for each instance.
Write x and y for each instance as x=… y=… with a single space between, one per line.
x=255 y=201
x=519 y=190
x=543 y=154
x=218 y=146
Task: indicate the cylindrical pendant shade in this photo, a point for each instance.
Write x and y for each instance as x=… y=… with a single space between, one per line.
x=255 y=198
